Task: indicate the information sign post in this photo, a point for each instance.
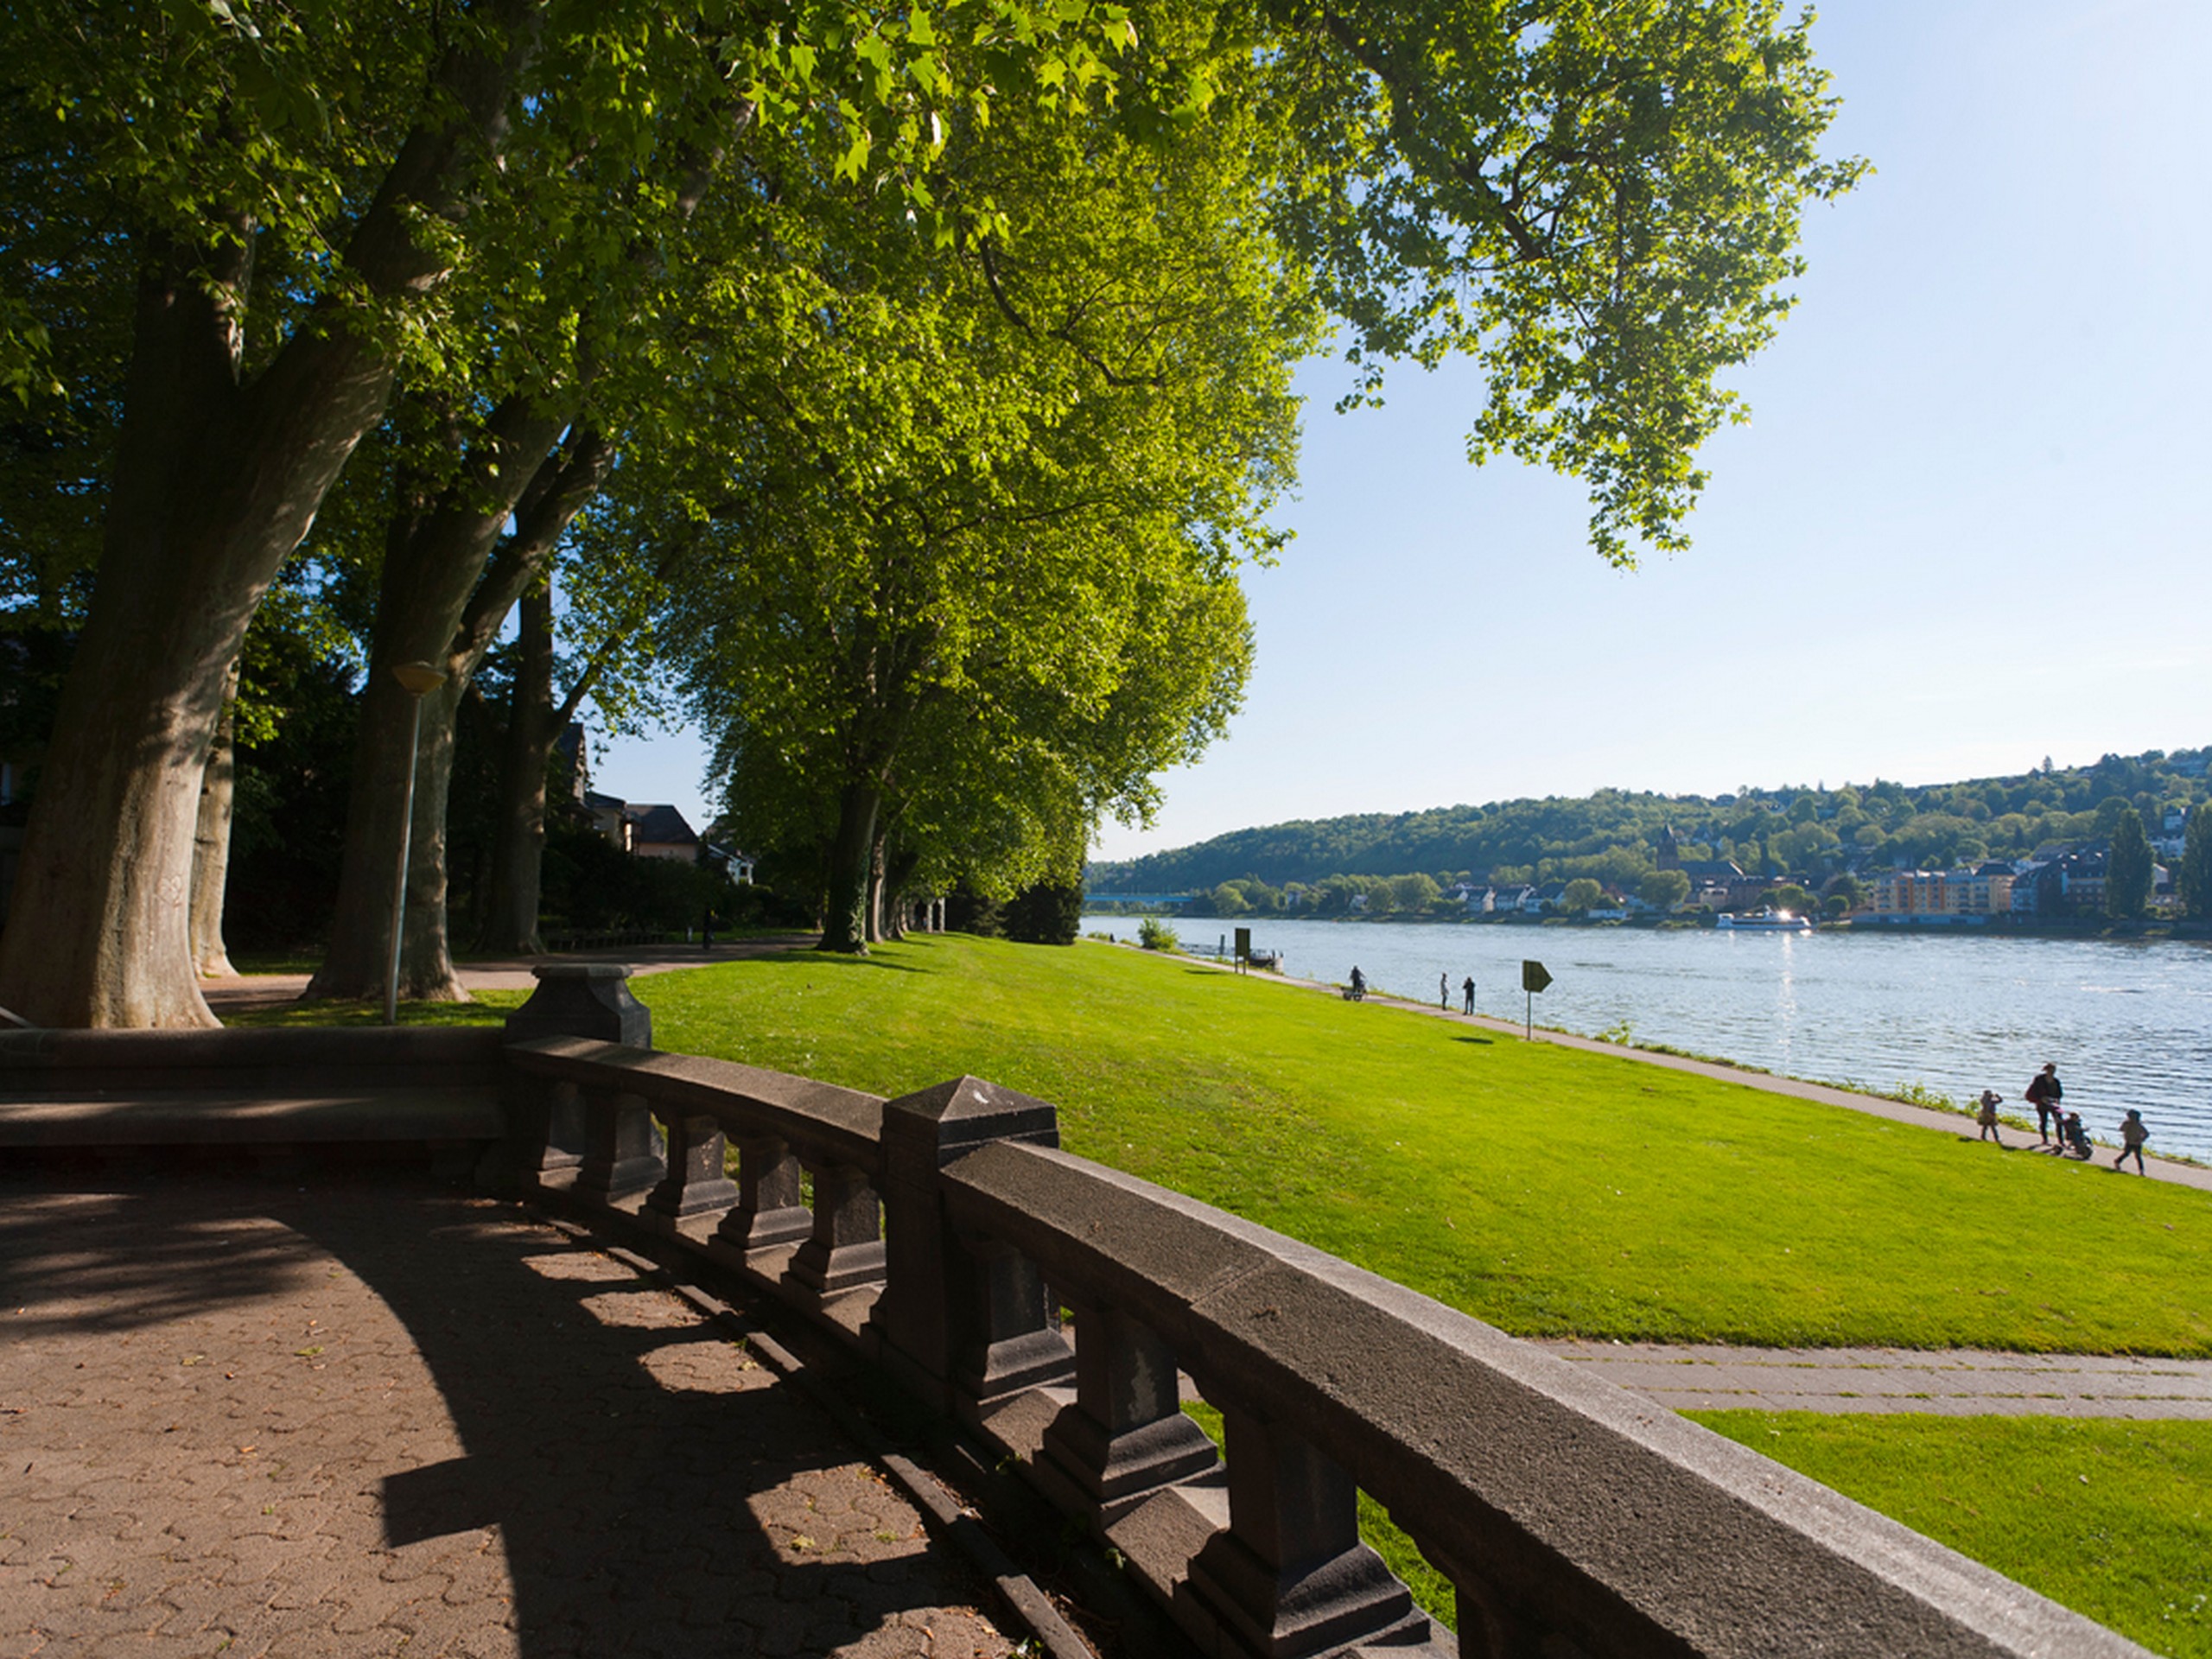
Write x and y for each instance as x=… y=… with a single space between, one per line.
x=1243 y=950
x=1533 y=977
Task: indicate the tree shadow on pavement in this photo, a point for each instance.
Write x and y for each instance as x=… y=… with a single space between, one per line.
x=505 y=1442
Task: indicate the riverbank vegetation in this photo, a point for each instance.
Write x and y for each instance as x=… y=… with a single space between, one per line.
x=1404 y=863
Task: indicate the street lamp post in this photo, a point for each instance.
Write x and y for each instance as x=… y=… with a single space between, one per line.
x=420 y=679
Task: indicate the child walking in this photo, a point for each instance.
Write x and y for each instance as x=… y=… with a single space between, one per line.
x=2133 y=1134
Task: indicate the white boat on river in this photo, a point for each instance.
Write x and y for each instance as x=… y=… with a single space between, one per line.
x=1764 y=920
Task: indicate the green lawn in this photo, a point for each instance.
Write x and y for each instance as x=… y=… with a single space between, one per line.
x=489 y=1008
x=1547 y=1190
x=2111 y=1518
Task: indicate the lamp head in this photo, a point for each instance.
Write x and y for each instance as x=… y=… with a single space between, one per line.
x=420 y=679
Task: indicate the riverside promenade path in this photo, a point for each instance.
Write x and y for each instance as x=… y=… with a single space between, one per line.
x=352 y=1415
x=1948 y=1382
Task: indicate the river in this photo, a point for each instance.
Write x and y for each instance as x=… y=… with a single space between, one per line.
x=2130 y=1024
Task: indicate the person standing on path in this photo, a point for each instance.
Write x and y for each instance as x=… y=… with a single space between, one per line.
x=2133 y=1134
x=2044 y=1093
x=1444 y=993
x=1988 y=1116
x=1358 y=984
x=1468 y=986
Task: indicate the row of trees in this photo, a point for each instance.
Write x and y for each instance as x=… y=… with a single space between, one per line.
x=899 y=389
x=1613 y=836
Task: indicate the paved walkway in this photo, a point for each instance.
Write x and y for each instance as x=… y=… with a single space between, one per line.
x=1954 y=1382
x=251 y=992
x=373 y=1416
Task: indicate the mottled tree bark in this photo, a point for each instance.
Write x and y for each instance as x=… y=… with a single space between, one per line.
x=211 y=850
x=844 y=925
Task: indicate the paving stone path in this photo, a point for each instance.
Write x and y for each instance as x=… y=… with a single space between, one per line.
x=1958 y=1382
x=373 y=1416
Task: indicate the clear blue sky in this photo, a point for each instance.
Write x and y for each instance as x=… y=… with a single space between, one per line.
x=1966 y=527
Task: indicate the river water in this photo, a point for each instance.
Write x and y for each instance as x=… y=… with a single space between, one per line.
x=2128 y=1024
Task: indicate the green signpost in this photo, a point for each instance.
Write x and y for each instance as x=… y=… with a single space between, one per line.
x=1533 y=977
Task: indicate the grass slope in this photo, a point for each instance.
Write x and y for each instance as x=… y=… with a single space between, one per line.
x=1547 y=1190
x=2111 y=1518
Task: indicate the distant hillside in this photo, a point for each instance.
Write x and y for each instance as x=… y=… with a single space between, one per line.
x=1612 y=836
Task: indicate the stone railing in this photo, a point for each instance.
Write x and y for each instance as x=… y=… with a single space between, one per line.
x=946 y=1236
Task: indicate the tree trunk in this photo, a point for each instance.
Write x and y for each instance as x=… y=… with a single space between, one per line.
x=851 y=859
x=442 y=602
x=518 y=851
x=215 y=482
x=211 y=851
x=875 y=887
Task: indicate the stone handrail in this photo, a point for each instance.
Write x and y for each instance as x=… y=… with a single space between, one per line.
x=1575 y=1521
x=1055 y=1306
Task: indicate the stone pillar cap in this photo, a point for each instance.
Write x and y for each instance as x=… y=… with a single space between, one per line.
x=581 y=969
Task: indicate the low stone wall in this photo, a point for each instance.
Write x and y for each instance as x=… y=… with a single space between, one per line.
x=266 y=1090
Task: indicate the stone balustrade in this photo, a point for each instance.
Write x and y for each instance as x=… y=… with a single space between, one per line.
x=1057 y=1307
x=1574 y=1519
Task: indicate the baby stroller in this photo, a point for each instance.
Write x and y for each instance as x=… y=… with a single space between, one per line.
x=2077 y=1138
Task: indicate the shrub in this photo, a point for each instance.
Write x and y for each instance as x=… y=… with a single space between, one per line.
x=1155 y=935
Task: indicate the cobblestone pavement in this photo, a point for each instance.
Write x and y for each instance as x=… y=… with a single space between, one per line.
x=372 y=1416
x=1957 y=1381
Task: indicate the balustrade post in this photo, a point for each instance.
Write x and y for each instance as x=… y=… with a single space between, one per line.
x=622 y=1148
x=545 y=1120
x=961 y=1320
x=846 y=1250
x=1489 y=1628
x=695 y=1184
x=1126 y=1436
x=1289 y=1576
x=770 y=1208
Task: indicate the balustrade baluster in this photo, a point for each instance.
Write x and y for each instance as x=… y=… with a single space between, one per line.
x=1126 y=1436
x=1489 y=1629
x=770 y=1209
x=1004 y=1339
x=846 y=1250
x=621 y=1147
x=694 y=1185
x=1289 y=1577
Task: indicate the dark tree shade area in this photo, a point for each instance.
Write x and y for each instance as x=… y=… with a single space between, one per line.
x=1048 y=914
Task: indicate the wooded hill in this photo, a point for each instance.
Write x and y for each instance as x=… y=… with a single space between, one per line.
x=1612 y=836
